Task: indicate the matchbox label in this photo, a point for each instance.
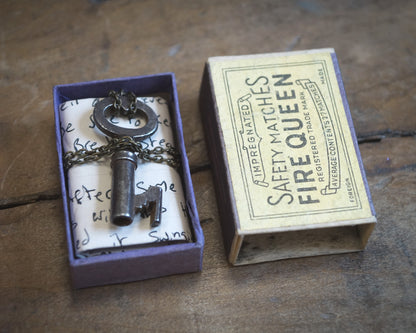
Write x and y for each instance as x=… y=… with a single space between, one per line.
x=289 y=145
x=329 y=134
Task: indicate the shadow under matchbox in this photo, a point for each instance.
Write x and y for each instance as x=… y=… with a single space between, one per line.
x=289 y=176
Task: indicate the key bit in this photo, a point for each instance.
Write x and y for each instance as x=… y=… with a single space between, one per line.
x=150 y=203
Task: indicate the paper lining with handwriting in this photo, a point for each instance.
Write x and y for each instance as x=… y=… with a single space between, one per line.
x=89 y=185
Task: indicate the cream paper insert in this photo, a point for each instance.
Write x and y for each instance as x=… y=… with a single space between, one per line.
x=291 y=157
x=89 y=185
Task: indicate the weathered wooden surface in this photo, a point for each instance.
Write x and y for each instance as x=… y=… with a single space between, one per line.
x=54 y=42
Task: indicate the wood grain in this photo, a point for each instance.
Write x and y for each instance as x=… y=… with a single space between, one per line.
x=48 y=42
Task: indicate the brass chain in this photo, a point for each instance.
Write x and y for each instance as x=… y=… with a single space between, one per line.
x=117 y=109
x=168 y=155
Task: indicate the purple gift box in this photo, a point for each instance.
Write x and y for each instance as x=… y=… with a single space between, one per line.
x=143 y=263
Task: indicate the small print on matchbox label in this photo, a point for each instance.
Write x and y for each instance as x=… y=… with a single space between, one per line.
x=289 y=144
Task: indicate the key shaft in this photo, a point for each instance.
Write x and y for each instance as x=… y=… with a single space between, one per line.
x=124 y=164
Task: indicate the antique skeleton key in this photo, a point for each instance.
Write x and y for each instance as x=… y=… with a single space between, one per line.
x=124 y=203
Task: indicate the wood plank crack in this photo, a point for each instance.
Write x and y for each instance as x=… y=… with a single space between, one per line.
x=379 y=135
x=12 y=202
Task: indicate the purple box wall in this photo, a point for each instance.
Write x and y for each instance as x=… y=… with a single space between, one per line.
x=138 y=264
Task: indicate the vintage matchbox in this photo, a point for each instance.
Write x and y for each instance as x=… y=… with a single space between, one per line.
x=289 y=176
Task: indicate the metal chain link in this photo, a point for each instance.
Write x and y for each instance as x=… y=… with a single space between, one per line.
x=117 y=109
x=168 y=155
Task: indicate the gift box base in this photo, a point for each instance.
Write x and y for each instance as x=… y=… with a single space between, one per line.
x=141 y=263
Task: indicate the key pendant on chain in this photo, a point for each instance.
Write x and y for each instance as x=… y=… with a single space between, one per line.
x=124 y=203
